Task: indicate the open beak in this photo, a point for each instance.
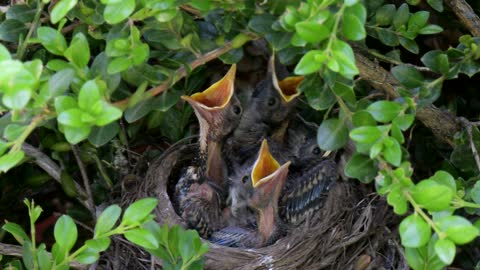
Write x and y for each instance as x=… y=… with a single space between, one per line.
x=288 y=87
x=268 y=177
x=210 y=102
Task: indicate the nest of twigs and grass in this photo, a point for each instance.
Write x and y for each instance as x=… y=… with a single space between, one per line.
x=351 y=230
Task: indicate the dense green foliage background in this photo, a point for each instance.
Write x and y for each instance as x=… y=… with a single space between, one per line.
x=90 y=90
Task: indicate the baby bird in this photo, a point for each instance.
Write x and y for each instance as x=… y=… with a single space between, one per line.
x=200 y=189
x=270 y=105
x=261 y=189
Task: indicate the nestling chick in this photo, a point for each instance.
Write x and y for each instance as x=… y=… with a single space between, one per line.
x=262 y=195
x=270 y=105
x=200 y=190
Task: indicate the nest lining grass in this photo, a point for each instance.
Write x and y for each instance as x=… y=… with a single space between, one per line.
x=351 y=230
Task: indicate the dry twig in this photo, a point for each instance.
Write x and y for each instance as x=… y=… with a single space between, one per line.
x=466 y=15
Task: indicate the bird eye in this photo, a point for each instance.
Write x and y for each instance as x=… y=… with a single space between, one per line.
x=271 y=101
x=316 y=150
x=244 y=179
x=237 y=109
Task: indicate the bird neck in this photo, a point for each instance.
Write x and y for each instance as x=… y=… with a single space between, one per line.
x=267 y=225
x=204 y=131
x=215 y=163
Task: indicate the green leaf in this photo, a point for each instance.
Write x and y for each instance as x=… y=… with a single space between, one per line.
x=141 y=53
x=376 y=149
x=343 y=54
x=458 y=229
x=312 y=31
x=408 y=76
x=430 y=29
x=361 y=168
x=397 y=200
x=109 y=114
x=409 y=44
x=139 y=110
x=142 y=237
x=384 y=111
x=432 y=196
x=119 y=11
x=63 y=103
x=437 y=61
x=418 y=20
x=401 y=17
x=388 y=37
x=279 y=40
x=68 y=184
x=232 y=57
x=345 y=91
x=107 y=219
x=384 y=15
x=349 y=3
x=58 y=65
x=414 y=231
x=475 y=192
x=11 y=159
x=79 y=52
x=87 y=256
x=60 y=82
x=65 y=233
x=44 y=260
x=75 y=135
x=318 y=94
x=366 y=134
x=404 y=121
x=424 y=258
x=52 y=40
x=71 y=118
x=99 y=244
x=118 y=65
x=445 y=250
x=61 y=9
x=332 y=134
x=392 y=151
x=363 y=118
x=11 y=30
x=16 y=231
x=139 y=210
x=262 y=23
x=17 y=99
x=166 y=15
x=353 y=28
x=19 y=12
x=310 y=63
x=446 y=179
x=13 y=131
x=436 y=4
x=27 y=255
x=89 y=94
x=102 y=135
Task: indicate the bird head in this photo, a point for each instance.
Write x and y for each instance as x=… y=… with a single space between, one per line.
x=276 y=98
x=268 y=178
x=217 y=109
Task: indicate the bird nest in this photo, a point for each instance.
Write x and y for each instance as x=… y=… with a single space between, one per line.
x=351 y=230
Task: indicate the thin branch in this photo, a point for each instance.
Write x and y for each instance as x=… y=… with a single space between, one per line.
x=182 y=72
x=16 y=251
x=51 y=168
x=86 y=182
x=443 y=124
x=472 y=146
x=466 y=15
